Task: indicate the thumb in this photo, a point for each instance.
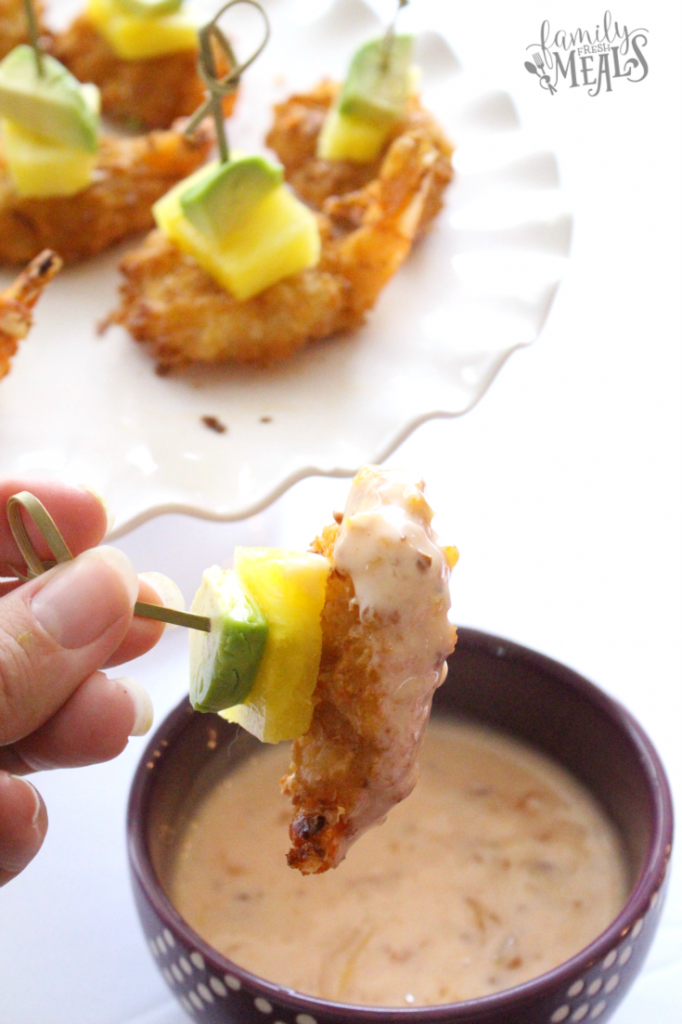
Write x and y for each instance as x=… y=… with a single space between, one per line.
x=56 y=630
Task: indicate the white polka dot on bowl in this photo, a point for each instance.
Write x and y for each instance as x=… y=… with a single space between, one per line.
x=598 y=1009
x=217 y=986
x=232 y=982
x=205 y=993
x=560 y=1014
x=625 y=955
x=198 y=961
x=262 y=1005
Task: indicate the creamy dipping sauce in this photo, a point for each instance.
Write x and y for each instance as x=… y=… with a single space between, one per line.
x=497 y=868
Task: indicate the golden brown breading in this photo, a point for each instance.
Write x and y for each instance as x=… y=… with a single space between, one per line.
x=147 y=93
x=343 y=758
x=385 y=637
x=17 y=302
x=294 y=134
x=13 y=24
x=177 y=308
x=131 y=174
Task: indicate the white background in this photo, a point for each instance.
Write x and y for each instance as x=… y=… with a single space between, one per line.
x=561 y=489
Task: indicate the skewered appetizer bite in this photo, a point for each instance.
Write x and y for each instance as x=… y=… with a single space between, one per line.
x=17 y=302
x=142 y=54
x=281 y=278
x=335 y=139
x=241 y=270
x=343 y=648
x=64 y=186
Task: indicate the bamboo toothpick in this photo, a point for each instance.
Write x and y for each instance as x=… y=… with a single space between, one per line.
x=34 y=36
x=24 y=501
x=390 y=33
x=219 y=87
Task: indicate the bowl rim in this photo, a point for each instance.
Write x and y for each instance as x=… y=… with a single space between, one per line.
x=644 y=889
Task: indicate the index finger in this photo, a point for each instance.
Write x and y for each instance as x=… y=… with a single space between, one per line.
x=79 y=514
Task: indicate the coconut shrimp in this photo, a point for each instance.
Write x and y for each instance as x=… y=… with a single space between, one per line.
x=170 y=303
x=17 y=302
x=13 y=24
x=131 y=174
x=385 y=640
x=293 y=136
x=149 y=92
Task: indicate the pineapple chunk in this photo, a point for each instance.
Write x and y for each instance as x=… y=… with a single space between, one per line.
x=135 y=36
x=289 y=587
x=39 y=168
x=347 y=137
x=370 y=103
x=279 y=238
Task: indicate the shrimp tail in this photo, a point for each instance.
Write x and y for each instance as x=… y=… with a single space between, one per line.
x=17 y=302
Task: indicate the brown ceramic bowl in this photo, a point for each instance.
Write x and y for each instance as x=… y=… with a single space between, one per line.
x=495 y=682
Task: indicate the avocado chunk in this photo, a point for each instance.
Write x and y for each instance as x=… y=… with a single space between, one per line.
x=280 y=237
x=52 y=106
x=222 y=199
x=378 y=82
x=224 y=662
x=151 y=8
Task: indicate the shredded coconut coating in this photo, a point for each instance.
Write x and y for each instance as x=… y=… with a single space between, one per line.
x=131 y=174
x=150 y=92
x=294 y=133
x=385 y=640
x=171 y=304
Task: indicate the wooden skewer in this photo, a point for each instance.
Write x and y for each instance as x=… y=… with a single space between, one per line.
x=25 y=501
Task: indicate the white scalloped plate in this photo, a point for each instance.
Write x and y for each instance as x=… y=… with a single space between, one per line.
x=91 y=409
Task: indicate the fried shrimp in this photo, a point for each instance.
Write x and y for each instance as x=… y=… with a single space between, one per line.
x=150 y=92
x=385 y=638
x=293 y=136
x=13 y=24
x=131 y=174
x=178 y=309
x=17 y=302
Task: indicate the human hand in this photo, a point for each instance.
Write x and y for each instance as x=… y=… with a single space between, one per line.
x=56 y=631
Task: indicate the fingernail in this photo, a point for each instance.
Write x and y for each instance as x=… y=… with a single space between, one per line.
x=110 y=515
x=169 y=592
x=83 y=598
x=36 y=798
x=144 y=710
